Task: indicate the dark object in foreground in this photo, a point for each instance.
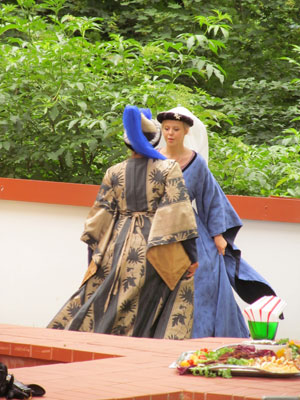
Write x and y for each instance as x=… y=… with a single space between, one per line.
x=13 y=389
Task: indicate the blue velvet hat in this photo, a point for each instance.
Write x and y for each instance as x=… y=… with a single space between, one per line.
x=142 y=133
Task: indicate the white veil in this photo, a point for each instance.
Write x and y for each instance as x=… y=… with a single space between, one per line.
x=196 y=139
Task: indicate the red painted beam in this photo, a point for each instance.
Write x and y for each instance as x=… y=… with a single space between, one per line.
x=75 y=194
x=267 y=208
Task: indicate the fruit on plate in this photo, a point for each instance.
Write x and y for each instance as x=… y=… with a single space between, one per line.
x=206 y=362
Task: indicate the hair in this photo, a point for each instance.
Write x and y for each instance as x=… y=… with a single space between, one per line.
x=185 y=125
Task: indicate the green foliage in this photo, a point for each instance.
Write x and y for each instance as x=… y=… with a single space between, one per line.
x=261 y=110
x=258 y=93
x=68 y=68
x=62 y=95
x=262 y=32
x=265 y=170
x=44 y=86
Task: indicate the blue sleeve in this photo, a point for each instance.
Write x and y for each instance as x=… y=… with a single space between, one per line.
x=214 y=209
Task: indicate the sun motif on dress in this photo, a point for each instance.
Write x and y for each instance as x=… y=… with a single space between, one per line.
x=183 y=193
x=119 y=330
x=102 y=192
x=154 y=202
x=156 y=176
x=101 y=274
x=57 y=325
x=128 y=306
x=73 y=307
x=172 y=337
x=135 y=256
x=116 y=179
x=172 y=192
x=88 y=323
x=186 y=294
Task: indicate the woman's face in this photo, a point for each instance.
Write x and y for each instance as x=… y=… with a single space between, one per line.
x=174 y=132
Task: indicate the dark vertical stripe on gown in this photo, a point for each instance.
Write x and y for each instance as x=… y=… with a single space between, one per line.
x=136 y=179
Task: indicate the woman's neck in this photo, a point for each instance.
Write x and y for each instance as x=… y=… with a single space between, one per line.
x=180 y=154
x=174 y=153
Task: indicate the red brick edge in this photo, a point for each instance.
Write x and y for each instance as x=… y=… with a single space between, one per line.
x=75 y=194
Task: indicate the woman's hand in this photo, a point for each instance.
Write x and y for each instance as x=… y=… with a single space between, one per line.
x=192 y=269
x=220 y=243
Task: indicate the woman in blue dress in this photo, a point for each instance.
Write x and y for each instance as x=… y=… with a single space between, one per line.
x=221 y=267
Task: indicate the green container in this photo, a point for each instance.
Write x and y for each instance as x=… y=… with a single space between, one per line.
x=263 y=330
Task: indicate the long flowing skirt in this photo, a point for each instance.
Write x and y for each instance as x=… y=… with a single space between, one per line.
x=126 y=296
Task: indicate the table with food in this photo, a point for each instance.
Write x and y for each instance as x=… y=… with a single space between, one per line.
x=259 y=358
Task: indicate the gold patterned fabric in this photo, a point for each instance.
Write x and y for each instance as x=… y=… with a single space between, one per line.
x=136 y=226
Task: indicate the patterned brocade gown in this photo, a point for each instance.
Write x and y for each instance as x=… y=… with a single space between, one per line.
x=141 y=203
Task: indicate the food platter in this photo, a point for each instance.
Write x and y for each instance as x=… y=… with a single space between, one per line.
x=266 y=344
x=251 y=371
x=260 y=345
x=242 y=359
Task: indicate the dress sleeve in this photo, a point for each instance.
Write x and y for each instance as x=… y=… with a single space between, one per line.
x=174 y=218
x=173 y=223
x=101 y=214
x=190 y=248
x=213 y=207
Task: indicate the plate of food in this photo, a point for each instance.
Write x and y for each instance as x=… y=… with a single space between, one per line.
x=241 y=360
x=263 y=344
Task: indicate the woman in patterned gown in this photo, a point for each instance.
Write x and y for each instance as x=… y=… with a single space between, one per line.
x=142 y=231
x=221 y=267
